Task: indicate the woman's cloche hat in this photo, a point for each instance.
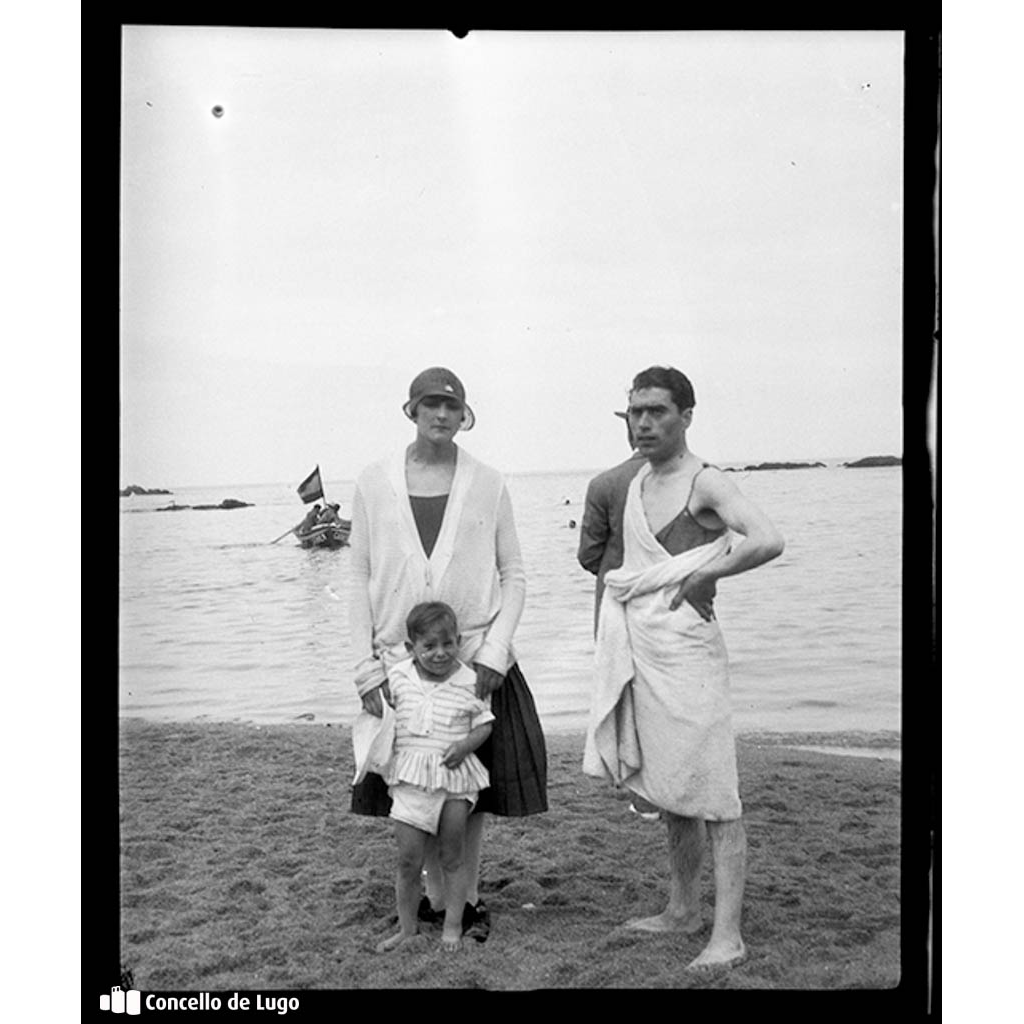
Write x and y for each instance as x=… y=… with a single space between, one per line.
x=438 y=382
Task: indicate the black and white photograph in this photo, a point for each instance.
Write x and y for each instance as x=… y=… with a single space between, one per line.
x=523 y=423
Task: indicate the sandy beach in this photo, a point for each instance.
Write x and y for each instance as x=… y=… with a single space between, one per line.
x=242 y=869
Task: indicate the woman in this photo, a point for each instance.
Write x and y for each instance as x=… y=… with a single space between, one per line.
x=434 y=524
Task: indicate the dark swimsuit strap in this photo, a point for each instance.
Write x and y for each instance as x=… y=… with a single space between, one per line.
x=693 y=483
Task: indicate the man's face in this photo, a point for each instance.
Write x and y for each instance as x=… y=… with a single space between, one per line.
x=658 y=425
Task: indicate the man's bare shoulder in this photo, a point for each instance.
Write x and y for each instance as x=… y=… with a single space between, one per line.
x=713 y=486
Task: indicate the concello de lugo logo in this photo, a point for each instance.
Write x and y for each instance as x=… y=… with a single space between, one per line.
x=122 y=1002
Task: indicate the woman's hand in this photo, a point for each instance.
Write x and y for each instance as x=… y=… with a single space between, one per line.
x=373 y=701
x=487 y=680
x=699 y=590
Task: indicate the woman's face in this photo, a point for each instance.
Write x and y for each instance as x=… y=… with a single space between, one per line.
x=438 y=419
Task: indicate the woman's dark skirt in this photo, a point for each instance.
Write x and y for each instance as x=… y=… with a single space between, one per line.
x=515 y=756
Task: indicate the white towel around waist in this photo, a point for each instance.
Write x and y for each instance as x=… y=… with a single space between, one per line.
x=613 y=746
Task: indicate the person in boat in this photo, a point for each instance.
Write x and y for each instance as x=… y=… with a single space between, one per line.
x=330 y=516
x=660 y=717
x=432 y=523
x=309 y=521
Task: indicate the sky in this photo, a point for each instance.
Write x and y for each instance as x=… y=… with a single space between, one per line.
x=546 y=214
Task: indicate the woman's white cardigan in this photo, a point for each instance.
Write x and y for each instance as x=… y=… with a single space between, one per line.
x=476 y=567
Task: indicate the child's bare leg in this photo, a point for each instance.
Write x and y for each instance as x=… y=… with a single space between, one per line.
x=435 y=876
x=411 y=842
x=451 y=836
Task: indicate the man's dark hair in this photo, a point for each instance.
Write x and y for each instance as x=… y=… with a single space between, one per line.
x=427 y=614
x=668 y=377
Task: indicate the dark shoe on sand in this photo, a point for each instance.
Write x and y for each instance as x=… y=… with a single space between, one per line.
x=476 y=921
x=427 y=914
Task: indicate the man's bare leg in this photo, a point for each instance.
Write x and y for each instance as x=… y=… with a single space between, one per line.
x=729 y=855
x=685 y=856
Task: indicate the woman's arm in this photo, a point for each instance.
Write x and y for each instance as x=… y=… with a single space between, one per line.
x=369 y=670
x=493 y=656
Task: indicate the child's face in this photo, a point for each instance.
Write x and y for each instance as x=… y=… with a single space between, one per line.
x=435 y=651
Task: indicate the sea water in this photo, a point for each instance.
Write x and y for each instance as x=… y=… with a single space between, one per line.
x=219 y=624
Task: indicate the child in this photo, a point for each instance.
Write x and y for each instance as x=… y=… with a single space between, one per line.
x=433 y=775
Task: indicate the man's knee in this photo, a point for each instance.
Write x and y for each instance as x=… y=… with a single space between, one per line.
x=727 y=834
x=688 y=828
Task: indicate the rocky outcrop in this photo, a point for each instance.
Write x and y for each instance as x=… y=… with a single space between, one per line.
x=136 y=489
x=785 y=465
x=875 y=460
x=226 y=503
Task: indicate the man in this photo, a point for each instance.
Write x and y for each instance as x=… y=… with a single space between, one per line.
x=660 y=720
x=309 y=521
x=329 y=516
x=600 y=547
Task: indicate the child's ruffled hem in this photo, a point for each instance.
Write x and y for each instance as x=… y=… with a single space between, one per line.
x=428 y=772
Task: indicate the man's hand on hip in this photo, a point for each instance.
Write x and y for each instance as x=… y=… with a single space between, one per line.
x=699 y=590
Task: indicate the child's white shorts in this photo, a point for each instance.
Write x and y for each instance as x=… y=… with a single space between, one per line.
x=420 y=807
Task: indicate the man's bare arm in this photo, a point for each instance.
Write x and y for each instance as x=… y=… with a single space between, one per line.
x=715 y=492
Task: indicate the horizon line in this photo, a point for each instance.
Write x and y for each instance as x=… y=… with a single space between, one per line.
x=731 y=464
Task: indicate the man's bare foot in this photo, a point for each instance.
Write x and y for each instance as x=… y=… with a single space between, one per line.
x=720 y=954
x=393 y=942
x=666 y=922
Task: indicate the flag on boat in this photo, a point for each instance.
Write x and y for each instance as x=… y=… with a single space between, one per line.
x=311 y=488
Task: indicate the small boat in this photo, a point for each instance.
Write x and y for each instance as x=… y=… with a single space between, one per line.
x=321 y=528
x=325 y=535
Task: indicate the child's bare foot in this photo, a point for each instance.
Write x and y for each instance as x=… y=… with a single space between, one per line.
x=393 y=942
x=451 y=943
